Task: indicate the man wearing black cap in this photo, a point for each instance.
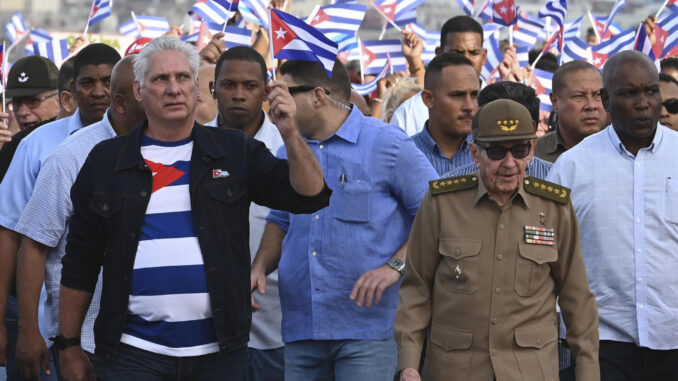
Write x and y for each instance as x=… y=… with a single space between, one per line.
x=488 y=254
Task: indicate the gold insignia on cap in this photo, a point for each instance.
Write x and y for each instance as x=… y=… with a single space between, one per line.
x=453 y=184
x=508 y=125
x=547 y=189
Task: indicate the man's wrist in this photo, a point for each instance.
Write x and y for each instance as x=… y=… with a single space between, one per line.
x=62 y=342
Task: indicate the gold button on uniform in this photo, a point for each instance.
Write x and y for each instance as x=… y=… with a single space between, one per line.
x=500 y=257
x=539 y=340
x=494 y=321
x=501 y=227
x=497 y=290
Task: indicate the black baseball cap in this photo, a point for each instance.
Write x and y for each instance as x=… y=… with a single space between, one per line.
x=31 y=75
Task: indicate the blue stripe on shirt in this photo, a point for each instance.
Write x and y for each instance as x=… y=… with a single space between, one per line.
x=172 y=334
x=169 y=280
x=168 y=225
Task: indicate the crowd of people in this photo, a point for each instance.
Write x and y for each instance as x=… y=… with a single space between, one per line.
x=188 y=218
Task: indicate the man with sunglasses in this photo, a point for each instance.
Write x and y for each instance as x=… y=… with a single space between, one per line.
x=488 y=255
x=625 y=192
x=668 y=87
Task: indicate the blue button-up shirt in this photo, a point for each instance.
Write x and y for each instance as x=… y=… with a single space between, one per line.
x=440 y=162
x=537 y=167
x=17 y=186
x=627 y=207
x=46 y=216
x=378 y=178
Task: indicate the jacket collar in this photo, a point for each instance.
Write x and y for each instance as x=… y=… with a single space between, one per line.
x=204 y=144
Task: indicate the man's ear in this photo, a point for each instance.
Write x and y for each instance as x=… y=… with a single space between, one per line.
x=605 y=98
x=474 y=152
x=428 y=98
x=211 y=85
x=136 y=87
x=119 y=103
x=554 y=100
x=439 y=50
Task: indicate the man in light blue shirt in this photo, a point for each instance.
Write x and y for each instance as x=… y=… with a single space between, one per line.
x=624 y=183
x=451 y=96
x=90 y=88
x=341 y=266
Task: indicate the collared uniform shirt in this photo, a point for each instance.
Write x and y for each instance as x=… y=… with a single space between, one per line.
x=17 y=186
x=378 y=178
x=628 y=210
x=440 y=162
x=550 y=146
x=488 y=295
x=536 y=168
x=46 y=216
x=265 y=332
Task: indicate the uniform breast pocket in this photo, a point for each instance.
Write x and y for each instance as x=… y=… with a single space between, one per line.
x=230 y=201
x=462 y=269
x=671 y=200
x=353 y=201
x=533 y=267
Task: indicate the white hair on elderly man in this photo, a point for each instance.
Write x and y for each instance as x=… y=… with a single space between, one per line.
x=164 y=44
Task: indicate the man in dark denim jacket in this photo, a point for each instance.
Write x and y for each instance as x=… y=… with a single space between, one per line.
x=112 y=197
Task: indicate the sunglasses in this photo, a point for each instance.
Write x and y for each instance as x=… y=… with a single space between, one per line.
x=519 y=151
x=31 y=102
x=303 y=88
x=671 y=105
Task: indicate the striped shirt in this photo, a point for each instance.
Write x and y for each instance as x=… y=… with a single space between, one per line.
x=169 y=305
x=537 y=167
x=440 y=162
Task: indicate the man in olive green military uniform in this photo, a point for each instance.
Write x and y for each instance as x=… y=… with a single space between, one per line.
x=488 y=255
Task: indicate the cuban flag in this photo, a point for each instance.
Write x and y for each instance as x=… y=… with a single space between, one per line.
x=400 y=12
x=377 y=52
x=36 y=36
x=597 y=55
x=490 y=72
x=672 y=5
x=16 y=28
x=55 y=50
x=571 y=29
x=468 y=6
x=542 y=85
x=293 y=39
x=430 y=39
x=576 y=50
x=618 y=4
x=145 y=26
x=234 y=36
x=485 y=12
x=100 y=10
x=528 y=30
x=642 y=42
x=255 y=11
x=504 y=12
x=371 y=86
x=342 y=18
x=556 y=9
x=523 y=55
x=214 y=11
x=613 y=28
x=490 y=28
x=2 y=66
x=670 y=25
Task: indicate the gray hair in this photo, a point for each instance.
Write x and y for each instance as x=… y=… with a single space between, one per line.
x=396 y=95
x=162 y=44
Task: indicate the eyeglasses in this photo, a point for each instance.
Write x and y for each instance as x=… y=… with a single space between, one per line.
x=304 y=88
x=518 y=151
x=31 y=102
x=671 y=105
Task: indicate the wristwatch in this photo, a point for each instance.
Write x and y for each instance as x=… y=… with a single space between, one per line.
x=61 y=342
x=397 y=265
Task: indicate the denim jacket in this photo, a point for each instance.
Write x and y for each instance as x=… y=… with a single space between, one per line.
x=110 y=197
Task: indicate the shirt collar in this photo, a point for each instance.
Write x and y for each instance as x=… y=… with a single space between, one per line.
x=617 y=143
x=74 y=122
x=350 y=130
x=431 y=144
x=267 y=130
x=481 y=191
x=554 y=141
x=106 y=122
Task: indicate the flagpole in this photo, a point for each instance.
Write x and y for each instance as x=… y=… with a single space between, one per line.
x=383 y=31
x=310 y=17
x=270 y=39
x=388 y=19
x=510 y=35
x=593 y=23
x=388 y=60
x=230 y=10
x=136 y=23
x=4 y=68
x=666 y=2
x=360 y=57
x=88 y=18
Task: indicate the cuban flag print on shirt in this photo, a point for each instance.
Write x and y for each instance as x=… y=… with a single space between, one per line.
x=169 y=306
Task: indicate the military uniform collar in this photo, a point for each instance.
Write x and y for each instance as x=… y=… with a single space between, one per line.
x=553 y=140
x=481 y=191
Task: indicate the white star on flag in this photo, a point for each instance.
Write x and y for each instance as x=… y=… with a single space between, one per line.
x=502 y=9
x=280 y=33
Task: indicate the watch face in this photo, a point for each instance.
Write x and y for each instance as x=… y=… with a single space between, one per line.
x=398 y=262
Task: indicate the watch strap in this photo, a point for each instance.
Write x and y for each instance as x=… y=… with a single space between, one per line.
x=61 y=342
